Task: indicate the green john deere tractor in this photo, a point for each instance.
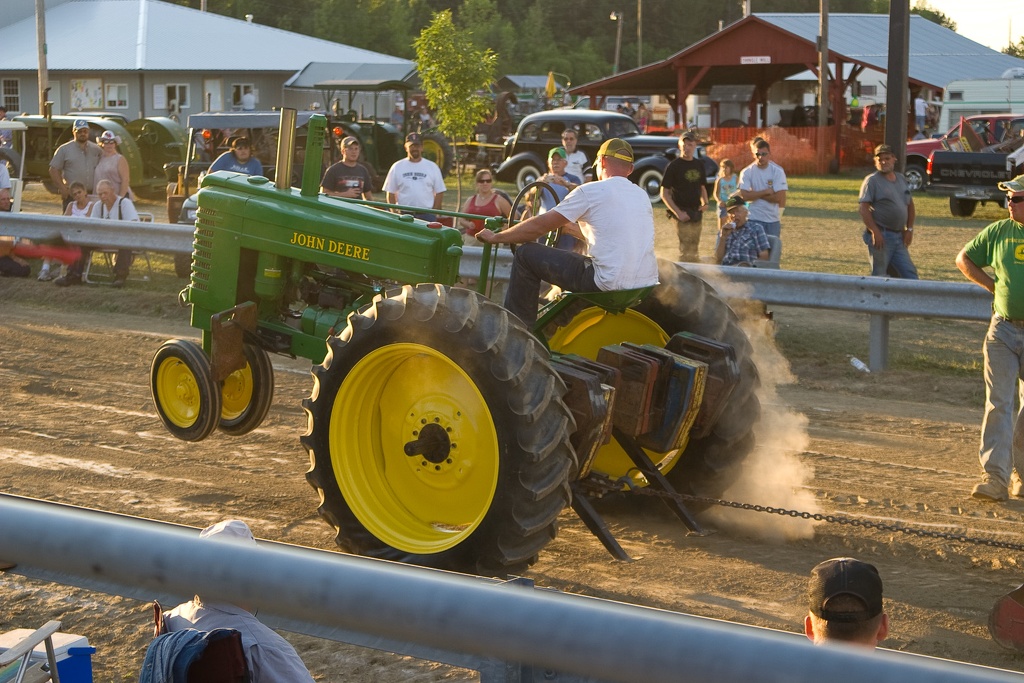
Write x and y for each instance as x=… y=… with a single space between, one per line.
x=441 y=430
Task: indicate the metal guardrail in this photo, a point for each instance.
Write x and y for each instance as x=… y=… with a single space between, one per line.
x=478 y=619
x=880 y=298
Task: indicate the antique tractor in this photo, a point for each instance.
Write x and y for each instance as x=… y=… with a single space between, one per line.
x=441 y=430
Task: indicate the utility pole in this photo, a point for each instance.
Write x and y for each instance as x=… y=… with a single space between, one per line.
x=44 y=78
x=617 y=17
x=897 y=95
x=639 y=34
x=823 y=84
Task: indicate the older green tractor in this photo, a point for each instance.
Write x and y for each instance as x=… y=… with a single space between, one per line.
x=441 y=430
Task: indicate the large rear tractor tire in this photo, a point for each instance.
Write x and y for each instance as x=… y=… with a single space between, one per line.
x=437 y=434
x=681 y=303
x=246 y=394
x=437 y=149
x=186 y=397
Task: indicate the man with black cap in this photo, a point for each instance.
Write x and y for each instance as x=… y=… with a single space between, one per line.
x=348 y=178
x=887 y=209
x=415 y=181
x=845 y=604
x=75 y=162
x=999 y=247
x=685 y=195
x=614 y=219
x=238 y=159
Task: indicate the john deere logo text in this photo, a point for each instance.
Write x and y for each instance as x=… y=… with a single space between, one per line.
x=331 y=246
x=1018 y=252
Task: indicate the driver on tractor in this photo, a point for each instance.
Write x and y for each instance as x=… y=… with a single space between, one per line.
x=616 y=223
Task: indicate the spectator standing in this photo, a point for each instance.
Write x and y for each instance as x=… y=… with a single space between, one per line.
x=486 y=202
x=348 y=178
x=642 y=117
x=6 y=137
x=576 y=160
x=920 y=113
x=763 y=185
x=887 y=209
x=726 y=185
x=238 y=159
x=75 y=161
x=113 y=166
x=997 y=247
x=845 y=604
x=616 y=223
x=248 y=99
x=740 y=241
x=109 y=207
x=397 y=117
x=271 y=658
x=561 y=183
x=415 y=181
x=685 y=196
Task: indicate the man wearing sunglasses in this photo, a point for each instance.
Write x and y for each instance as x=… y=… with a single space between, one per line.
x=1000 y=246
x=763 y=185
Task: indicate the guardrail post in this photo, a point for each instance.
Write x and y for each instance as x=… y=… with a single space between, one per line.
x=878 y=342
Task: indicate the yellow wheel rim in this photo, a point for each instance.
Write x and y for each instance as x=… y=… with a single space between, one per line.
x=177 y=390
x=433 y=151
x=236 y=393
x=585 y=334
x=409 y=395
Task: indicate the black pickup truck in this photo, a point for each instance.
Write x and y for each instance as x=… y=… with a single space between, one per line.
x=970 y=177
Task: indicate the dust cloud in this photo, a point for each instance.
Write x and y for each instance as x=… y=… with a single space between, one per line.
x=772 y=474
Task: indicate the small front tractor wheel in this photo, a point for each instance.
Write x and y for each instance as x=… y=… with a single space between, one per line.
x=187 y=399
x=437 y=434
x=246 y=394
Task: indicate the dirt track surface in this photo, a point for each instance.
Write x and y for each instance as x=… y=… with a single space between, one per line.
x=78 y=426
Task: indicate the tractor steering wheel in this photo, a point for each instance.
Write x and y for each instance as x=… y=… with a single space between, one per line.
x=534 y=205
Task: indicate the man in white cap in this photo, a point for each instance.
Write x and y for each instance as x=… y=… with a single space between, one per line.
x=998 y=246
x=270 y=657
x=75 y=162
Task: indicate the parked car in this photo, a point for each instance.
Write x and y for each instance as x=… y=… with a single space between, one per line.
x=526 y=152
x=991 y=128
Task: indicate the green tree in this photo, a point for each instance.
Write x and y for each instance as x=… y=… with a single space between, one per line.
x=934 y=15
x=1016 y=50
x=454 y=75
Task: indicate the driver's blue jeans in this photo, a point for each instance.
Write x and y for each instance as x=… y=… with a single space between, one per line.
x=534 y=263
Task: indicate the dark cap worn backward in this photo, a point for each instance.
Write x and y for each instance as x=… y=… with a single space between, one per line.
x=688 y=135
x=617 y=149
x=240 y=142
x=845 y=576
x=414 y=138
x=884 y=149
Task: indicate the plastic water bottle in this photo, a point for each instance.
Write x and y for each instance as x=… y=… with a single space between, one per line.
x=859 y=364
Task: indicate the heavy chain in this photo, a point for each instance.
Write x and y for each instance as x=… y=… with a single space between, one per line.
x=818 y=517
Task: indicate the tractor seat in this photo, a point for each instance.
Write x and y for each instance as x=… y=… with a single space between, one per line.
x=615 y=301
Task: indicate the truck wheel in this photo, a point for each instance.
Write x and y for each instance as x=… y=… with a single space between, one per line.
x=437 y=434
x=649 y=181
x=246 y=394
x=186 y=397
x=962 y=208
x=916 y=177
x=682 y=302
x=437 y=149
x=527 y=173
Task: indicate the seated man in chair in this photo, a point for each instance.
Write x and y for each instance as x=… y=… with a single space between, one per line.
x=616 y=223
